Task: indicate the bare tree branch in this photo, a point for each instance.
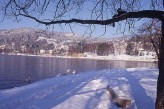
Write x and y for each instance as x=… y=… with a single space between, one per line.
x=140 y=14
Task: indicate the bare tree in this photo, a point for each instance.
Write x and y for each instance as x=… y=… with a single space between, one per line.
x=101 y=12
x=152 y=29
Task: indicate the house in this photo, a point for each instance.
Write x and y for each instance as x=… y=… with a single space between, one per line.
x=42 y=51
x=23 y=49
x=147 y=54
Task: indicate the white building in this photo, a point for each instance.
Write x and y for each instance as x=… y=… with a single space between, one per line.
x=147 y=54
x=42 y=51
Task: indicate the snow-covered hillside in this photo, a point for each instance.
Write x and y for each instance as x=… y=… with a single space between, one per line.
x=85 y=91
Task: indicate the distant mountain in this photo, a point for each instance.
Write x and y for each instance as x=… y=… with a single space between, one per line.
x=35 y=33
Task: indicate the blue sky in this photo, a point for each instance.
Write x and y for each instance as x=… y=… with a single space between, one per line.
x=25 y=22
x=29 y=23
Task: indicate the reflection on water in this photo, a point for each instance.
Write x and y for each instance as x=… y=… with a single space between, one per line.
x=14 y=70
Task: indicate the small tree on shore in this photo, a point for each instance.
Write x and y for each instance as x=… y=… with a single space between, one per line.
x=130 y=49
x=103 y=49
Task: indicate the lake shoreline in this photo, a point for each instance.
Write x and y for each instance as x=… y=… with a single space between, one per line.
x=41 y=67
x=110 y=57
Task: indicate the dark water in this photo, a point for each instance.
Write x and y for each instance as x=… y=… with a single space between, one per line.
x=14 y=70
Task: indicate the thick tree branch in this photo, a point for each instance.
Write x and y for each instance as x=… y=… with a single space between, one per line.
x=139 y=14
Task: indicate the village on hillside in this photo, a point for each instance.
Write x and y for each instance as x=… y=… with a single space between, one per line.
x=28 y=41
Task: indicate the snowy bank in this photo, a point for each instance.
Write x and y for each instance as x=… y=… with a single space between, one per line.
x=93 y=56
x=85 y=91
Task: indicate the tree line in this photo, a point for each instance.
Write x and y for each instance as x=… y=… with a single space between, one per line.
x=130 y=46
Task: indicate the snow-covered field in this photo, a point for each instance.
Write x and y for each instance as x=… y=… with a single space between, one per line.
x=85 y=91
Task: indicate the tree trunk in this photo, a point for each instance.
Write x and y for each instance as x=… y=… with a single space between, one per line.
x=160 y=82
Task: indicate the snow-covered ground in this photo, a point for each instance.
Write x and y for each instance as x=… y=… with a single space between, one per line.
x=85 y=91
x=94 y=56
x=122 y=57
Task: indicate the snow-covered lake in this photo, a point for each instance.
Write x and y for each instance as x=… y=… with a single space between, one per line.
x=14 y=70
